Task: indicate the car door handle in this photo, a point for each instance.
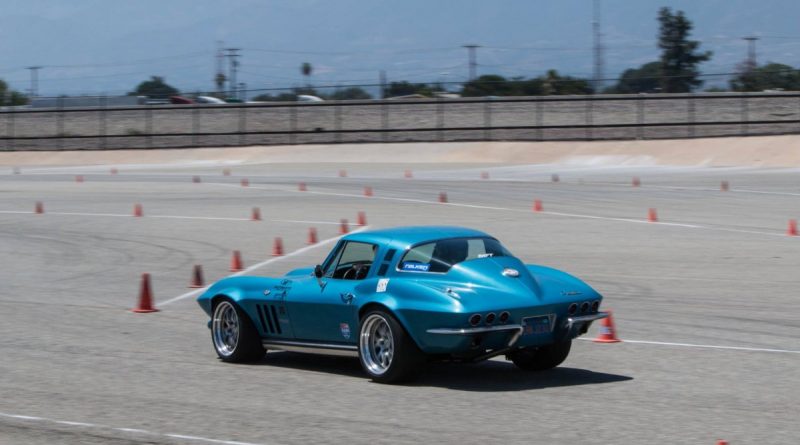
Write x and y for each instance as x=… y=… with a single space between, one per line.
x=347 y=297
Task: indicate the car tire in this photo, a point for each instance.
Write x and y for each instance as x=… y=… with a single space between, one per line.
x=233 y=335
x=386 y=351
x=541 y=358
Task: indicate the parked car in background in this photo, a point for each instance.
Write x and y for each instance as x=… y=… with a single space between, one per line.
x=180 y=100
x=209 y=100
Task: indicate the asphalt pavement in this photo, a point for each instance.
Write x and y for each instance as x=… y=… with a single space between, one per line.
x=705 y=299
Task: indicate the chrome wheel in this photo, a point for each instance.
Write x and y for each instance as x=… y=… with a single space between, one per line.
x=225 y=328
x=376 y=344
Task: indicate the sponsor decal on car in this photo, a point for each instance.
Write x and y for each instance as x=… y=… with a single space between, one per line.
x=382 y=283
x=417 y=267
x=345 y=329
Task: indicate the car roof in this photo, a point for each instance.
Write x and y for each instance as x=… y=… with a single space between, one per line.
x=403 y=237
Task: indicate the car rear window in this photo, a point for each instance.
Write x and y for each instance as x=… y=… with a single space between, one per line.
x=439 y=256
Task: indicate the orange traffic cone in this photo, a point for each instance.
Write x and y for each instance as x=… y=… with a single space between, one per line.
x=367 y=191
x=408 y=174
x=79 y=178
x=277 y=247
x=443 y=197
x=245 y=182
x=114 y=171
x=256 y=214
x=137 y=210
x=196 y=179
x=197 y=277
x=537 y=205
x=362 y=219
x=312 y=236
x=226 y=172
x=236 y=262
x=792 y=230
x=484 y=175
x=722 y=442
x=608 y=333
x=342 y=173
x=724 y=186
x=39 y=207
x=636 y=182
x=652 y=215
x=343 y=227
x=301 y=187
x=145 y=296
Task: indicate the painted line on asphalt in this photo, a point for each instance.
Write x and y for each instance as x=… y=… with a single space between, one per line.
x=545 y=212
x=124 y=430
x=260 y=265
x=692 y=345
x=129 y=215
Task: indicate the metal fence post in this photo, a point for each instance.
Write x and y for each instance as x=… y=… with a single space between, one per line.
x=539 y=119
x=487 y=120
x=148 y=125
x=103 y=129
x=745 y=115
x=292 y=124
x=60 y=123
x=440 y=120
x=640 y=116
x=337 y=118
x=589 y=118
x=242 y=123
x=195 y=125
x=690 y=111
x=11 y=129
x=384 y=120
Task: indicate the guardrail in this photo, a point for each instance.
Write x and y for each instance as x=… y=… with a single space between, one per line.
x=600 y=117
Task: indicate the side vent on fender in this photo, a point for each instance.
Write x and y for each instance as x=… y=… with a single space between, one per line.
x=269 y=319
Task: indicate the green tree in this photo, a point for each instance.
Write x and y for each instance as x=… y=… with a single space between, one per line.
x=351 y=93
x=155 y=87
x=679 y=56
x=404 y=88
x=489 y=85
x=11 y=97
x=772 y=76
x=556 y=84
x=645 y=79
x=306 y=69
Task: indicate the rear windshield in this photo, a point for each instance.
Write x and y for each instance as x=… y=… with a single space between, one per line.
x=440 y=256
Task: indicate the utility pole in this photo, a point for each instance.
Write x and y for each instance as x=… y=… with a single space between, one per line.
x=751 y=52
x=34 y=80
x=219 y=77
x=382 y=77
x=473 y=64
x=599 y=61
x=233 y=64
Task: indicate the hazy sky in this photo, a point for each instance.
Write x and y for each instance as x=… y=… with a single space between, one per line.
x=108 y=46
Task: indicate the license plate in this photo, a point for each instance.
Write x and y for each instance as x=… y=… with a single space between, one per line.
x=536 y=325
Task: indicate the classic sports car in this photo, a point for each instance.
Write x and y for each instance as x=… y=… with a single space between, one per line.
x=399 y=297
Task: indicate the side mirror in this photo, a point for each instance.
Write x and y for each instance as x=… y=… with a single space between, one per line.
x=318 y=272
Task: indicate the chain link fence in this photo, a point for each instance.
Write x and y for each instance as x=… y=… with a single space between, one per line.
x=549 y=118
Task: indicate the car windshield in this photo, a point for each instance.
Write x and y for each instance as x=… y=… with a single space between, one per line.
x=440 y=256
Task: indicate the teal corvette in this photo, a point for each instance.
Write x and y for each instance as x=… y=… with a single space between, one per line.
x=396 y=298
